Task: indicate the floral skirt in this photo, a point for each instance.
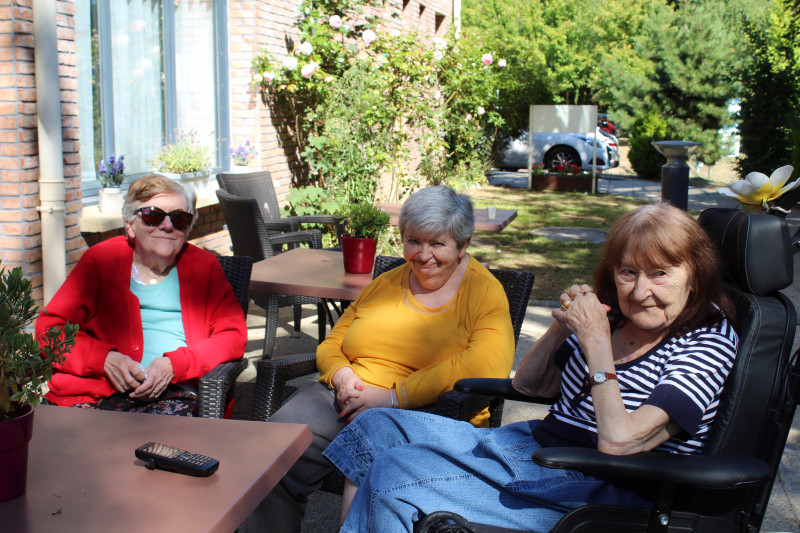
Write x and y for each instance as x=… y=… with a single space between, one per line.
x=174 y=401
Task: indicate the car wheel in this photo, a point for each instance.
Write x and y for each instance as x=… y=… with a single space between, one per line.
x=561 y=155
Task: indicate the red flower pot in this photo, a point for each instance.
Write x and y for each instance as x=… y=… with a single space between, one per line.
x=358 y=254
x=14 y=437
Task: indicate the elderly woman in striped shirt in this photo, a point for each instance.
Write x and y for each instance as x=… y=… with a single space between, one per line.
x=639 y=362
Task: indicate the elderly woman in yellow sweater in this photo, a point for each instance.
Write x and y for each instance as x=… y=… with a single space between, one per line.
x=410 y=335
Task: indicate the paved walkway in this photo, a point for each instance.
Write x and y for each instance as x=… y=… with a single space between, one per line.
x=783 y=513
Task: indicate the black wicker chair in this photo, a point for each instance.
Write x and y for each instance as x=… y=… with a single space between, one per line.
x=258 y=185
x=250 y=237
x=272 y=374
x=727 y=487
x=216 y=387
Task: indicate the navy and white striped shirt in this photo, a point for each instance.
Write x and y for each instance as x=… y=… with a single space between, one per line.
x=681 y=375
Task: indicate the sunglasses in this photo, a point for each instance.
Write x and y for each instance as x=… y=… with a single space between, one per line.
x=153 y=216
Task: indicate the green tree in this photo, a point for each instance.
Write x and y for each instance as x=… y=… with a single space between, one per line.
x=694 y=57
x=771 y=99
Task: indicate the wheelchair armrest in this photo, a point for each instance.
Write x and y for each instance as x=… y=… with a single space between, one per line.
x=497 y=387
x=213 y=388
x=730 y=471
x=271 y=377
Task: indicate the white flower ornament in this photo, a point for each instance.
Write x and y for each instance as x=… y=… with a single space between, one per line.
x=756 y=188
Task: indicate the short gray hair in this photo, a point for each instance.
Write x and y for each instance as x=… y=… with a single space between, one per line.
x=437 y=210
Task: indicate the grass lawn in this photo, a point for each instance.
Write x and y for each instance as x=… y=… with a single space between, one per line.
x=556 y=264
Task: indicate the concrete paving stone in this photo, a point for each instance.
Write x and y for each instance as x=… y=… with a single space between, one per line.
x=783 y=512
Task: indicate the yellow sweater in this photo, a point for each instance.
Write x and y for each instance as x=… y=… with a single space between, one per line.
x=391 y=340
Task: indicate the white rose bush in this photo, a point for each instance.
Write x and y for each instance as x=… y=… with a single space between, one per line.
x=441 y=97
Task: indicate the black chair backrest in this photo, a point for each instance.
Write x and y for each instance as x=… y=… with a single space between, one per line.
x=517 y=285
x=237 y=270
x=256 y=185
x=249 y=235
x=759 y=398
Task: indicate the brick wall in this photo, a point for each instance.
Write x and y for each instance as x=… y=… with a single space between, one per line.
x=20 y=227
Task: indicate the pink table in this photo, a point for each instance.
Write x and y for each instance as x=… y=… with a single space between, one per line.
x=83 y=475
x=308 y=272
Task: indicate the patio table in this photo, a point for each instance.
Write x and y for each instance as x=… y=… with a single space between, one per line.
x=83 y=475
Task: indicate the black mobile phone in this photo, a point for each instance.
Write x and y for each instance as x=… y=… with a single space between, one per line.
x=173 y=459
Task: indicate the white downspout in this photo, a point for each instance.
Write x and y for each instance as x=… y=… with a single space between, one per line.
x=51 y=159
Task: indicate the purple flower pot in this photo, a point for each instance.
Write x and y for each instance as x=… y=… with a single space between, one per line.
x=358 y=254
x=14 y=437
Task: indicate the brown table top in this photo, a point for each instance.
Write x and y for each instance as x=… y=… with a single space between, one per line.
x=502 y=218
x=307 y=272
x=83 y=475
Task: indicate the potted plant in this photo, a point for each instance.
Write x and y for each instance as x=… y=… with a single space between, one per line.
x=364 y=224
x=241 y=156
x=26 y=364
x=186 y=160
x=110 y=176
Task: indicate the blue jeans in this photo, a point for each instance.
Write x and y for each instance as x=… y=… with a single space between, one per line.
x=408 y=464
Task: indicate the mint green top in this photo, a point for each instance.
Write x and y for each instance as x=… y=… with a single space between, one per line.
x=162 y=325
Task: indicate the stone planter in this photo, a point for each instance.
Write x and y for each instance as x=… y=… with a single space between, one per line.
x=551 y=182
x=239 y=169
x=202 y=182
x=111 y=200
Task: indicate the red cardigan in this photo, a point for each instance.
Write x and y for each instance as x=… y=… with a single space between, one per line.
x=97 y=297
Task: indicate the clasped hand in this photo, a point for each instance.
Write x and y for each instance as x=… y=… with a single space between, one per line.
x=581 y=312
x=354 y=397
x=126 y=375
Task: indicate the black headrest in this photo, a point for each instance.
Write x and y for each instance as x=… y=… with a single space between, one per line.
x=756 y=248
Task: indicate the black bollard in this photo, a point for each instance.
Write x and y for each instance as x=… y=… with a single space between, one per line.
x=675 y=173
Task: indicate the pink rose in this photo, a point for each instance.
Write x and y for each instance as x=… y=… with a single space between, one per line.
x=487 y=59
x=481 y=110
x=468 y=117
x=335 y=22
x=437 y=55
x=269 y=76
x=309 y=70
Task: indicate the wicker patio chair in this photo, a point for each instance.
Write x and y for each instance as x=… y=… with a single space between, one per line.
x=258 y=185
x=272 y=374
x=216 y=387
x=250 y=237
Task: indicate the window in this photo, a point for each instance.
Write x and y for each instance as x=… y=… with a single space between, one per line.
x=148 y=73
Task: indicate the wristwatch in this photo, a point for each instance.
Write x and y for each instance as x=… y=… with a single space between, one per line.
x=602 y=377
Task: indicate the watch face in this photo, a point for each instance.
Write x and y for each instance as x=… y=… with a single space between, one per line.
x=599 y=378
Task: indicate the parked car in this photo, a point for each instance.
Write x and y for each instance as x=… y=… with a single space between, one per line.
x=555 y=149
x=613 y=147
x=606 y=125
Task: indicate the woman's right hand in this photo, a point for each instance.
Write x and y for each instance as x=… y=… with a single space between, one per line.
x=582 y=312
x=124 y=373
x=347 y=384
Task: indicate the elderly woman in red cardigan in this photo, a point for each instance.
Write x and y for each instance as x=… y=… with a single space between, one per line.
x=155 y=312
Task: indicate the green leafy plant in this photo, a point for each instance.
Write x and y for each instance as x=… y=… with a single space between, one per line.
x=25 y=364
x=644 y=158
x=365 y=221
x=183 y=157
